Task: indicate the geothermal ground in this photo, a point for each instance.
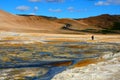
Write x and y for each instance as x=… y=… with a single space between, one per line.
x=40 y=56
x=109 y=69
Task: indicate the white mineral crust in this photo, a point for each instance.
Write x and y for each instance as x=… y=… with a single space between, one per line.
x=106 y=70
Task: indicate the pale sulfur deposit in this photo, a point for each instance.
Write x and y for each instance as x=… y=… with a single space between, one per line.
x=106 y=70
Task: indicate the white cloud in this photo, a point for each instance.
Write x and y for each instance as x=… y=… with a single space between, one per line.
x=35 y=0
x=114 y=1
x=71 y=9
x=36 y=8
x=22 y=8
x=101 y=3
x=32 y=13
x=54 y=0
x=55 y=10
x=107 y=2
x=51 y=1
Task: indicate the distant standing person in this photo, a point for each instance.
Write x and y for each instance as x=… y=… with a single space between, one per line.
x=92 y=37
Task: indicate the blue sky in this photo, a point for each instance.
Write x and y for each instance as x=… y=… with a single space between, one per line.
x=62 y=8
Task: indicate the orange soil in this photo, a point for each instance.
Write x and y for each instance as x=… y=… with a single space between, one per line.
x=87 y=62
x=63 y=63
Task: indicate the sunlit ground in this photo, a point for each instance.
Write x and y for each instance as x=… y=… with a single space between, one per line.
x=24 y=56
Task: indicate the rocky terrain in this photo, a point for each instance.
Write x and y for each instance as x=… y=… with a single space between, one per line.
x=31 y=56
x=109 y=69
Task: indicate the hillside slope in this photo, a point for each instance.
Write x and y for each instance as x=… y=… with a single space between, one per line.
x=104 y=21
x=9 y=22
x=43 y=24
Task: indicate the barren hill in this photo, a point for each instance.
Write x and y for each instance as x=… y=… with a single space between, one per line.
x=10 y=22
x=74 y=23
x=107 y=23
x=102 y=21
x=31 y=23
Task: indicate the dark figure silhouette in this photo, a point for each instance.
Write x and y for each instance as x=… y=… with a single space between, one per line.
x=92 y=37
x=66 y=26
